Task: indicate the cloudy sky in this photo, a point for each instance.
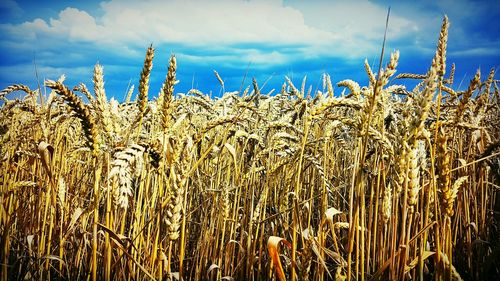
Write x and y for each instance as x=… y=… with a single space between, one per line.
x=267 y=39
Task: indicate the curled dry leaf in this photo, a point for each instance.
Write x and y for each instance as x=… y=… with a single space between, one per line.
x=474 y=226
x=46 y=151
x=272 y=246
x=29 y=239
x=211 y=268
x=330 y=213
x=237 y=243
x=175 y=276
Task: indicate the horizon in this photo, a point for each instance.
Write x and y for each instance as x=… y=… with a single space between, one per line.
x=265 y=40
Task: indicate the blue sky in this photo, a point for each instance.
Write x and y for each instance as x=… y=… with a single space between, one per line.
x=267 y=38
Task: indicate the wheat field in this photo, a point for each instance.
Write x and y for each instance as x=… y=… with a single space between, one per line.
x=374 y=182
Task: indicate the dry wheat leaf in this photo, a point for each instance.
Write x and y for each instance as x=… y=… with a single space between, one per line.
x=175 y=275
x=46 y=151
x=53 y=257
x=29 y=239
x=212 y=267
x=231 y=150
x=330 y=213
x=76 y=215
x=273 y=248
x=238 y=243
x=116 y=236
x=414 y=262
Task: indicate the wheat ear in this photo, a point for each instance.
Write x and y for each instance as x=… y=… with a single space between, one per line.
x=167 y=93
x=123 y=165
x=464 y=102
x=101 y=101
x=144 y=81
x=441 y=47
x=81 y=111
x=16 y=87
x=369 y=72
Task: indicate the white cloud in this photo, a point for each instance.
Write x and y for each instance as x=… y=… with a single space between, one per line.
x=186 y=22
x=355 y=20
x=235 y=57
x=476 y=52
x=77 y=25
x=209 y=22
x=343 y=29
x=231 y=33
